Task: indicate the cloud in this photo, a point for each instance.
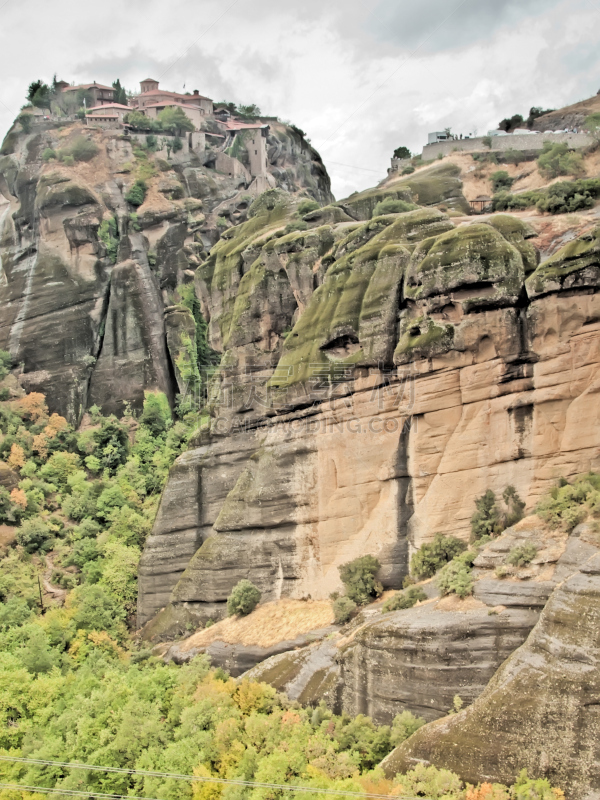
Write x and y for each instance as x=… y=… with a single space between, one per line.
x=343 y=70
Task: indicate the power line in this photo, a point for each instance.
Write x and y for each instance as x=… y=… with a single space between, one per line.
x=176 y=776
x=72 y=792
x=352 y=166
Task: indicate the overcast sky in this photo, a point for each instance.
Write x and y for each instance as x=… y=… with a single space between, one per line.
x=360 y=77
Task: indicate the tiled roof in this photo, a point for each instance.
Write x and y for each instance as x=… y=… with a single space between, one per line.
x=234 y=125
x=171 y=103
x=174 y=94
x=88 y=86
x=110 y=105
x=151 y=80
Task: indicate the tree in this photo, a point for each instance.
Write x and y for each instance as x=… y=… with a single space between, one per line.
x=486 y=519
x=402 y=152
x=39 y=94
x=120 y=93
x=251 y=111
x=174 y=120
x=434 y=555
x=243 y=599
x=140 y=121
x=358 y=577
x=510 y=123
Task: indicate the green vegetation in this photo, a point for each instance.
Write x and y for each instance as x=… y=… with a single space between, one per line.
x=501 y=180
x=174 y=120
x=522 y=555
x=137 y=193
x=534 y=113
x=510 y=123
x=560 y=198
x=592 y=123
x=39 y=94
x=306 y=206
x=244 y=598
x=48 y=154
x=490 y=519
x=343 y=609
x=569 y=504
x=557 y=159
x=120 y=93
x=403 y=727
x=391 y=206
x=402 y=152
x=405 y=599
x=5 y=364
x=108 y=233
x=456 y=577
x=358 y=577
x=431 y=557
x=487 y=141
x=512 y=156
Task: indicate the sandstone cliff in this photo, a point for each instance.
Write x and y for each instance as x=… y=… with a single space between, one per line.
x=86 y=276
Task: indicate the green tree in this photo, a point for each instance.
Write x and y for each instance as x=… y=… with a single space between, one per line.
x=120 y=93
x=137 y=193
x=358 y=577
x=434 y=555
x=486 y=519
x=244 y=598
x=402 y=152
x=5 y=363
x=174 y=120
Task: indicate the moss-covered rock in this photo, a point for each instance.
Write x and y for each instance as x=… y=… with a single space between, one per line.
x=56 y=191
x=517 y=233
x=421 y=337
x=475 y=260
x=576 y=265
x=350 y=318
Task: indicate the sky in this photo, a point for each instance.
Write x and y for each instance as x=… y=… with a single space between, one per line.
x=360 y=78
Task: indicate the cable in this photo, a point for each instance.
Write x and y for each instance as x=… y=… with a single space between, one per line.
x=197 y=778
x=72 y=792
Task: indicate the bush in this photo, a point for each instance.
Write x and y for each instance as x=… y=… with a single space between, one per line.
x=513 y=156
x=156 y=415
x=392 y=206
x=83 y=149
x=456 y=577
x=48 y=154
x=487 y=141
x=306 y=206
x=34 y=535
x=501 y=180
x=137 y=193
x=486 y=519
x=557 y=159
x=402 y=152
x=402 y=600
x=93 y=609
x=5 y=363
x=112 y=443
x=243 y=599
x=108 y=234
x=566 y=506
x=151 y=142
x=522 y=555
x=343 y=609
x=177 y=144
x=407 y=170
x=432 y=556
x=403 y=727
x=358 y=577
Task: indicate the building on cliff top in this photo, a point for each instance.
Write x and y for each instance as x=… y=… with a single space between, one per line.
x=108 y=113
x=154 y=99
x=101 y=95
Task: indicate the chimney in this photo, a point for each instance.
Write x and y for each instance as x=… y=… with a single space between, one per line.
x=196 y=91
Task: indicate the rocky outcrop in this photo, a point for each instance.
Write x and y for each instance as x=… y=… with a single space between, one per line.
x=426 y=367
x=85 y=276
x=539 y=712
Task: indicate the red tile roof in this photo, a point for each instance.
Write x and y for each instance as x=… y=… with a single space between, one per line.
x=87 y=86
x=174 y=94
x=171 y=103
x=110 y=105
x=234 y=125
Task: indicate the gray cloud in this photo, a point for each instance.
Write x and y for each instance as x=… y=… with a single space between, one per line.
x=434 y=25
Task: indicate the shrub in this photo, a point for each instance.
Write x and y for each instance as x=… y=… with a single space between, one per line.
x=177 y=144
x=486 y=519
x=432 y=556
x=402 y=600
x=514 y=507
x=565 y=507
x=403 y=726
x=83 y=149
x=557 y=159
x=456 y=577
x=243 y=599
x=392 y=206
x=402 y=152
x=68 y=160
x=343 y=609
x=137 y=193
x=522 y=555
x=151 y=142
x=156 y=415
x=48 y=154
x=108 y=233
x=513 y=156
x=407 y=170
x=358 y=577
x=112 y=443
x=501 y=180
x=487 y=141
x=509 y=123
x=34 y=534
x=306 y=206
x=430 y=782
x=59 y=467
x=14 y=612
x=93 y=609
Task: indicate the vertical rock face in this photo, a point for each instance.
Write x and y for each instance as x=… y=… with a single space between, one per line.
x=84 y=280
x=540 y=711
x=424 y=369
